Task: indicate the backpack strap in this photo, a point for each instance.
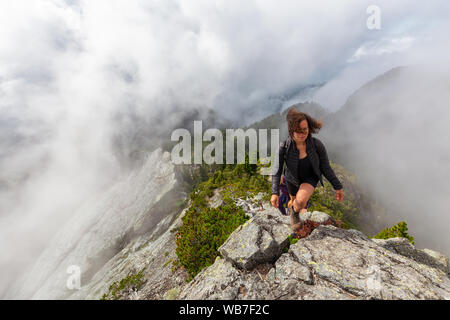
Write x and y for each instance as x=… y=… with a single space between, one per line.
x=285 y=145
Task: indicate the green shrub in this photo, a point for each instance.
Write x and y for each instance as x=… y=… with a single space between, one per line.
x=399 y=230
x=117 y=290
x=291 y=242
x=324 y=199
x=205 y=229
x=203 y=232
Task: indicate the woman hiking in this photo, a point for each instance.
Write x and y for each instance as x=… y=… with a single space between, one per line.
x=305 y=159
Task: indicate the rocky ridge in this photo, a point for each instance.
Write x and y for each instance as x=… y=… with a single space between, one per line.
x=258 y=262
x=330 y=263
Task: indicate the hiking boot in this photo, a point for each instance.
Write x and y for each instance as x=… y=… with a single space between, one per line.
x=296 y=223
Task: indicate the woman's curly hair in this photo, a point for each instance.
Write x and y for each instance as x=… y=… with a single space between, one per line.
x=294 y=118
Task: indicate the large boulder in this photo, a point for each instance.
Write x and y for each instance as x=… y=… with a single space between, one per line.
x=261 y=239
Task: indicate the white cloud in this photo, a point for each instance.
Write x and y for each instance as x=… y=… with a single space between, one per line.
x=70 y=69
x=383 y=46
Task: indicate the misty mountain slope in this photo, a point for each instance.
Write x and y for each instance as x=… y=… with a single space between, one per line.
x=151 y=255
x=101 y=228
x=259 y=260
x=136 y=136
x=253 y=264
x=393 y=134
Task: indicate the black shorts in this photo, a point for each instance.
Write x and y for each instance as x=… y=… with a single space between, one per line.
x=293 y=189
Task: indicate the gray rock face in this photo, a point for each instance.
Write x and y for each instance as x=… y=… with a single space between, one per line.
x=330 y=263
x=101 y=229
x=364 y=269
x=150 y=252
x=315 y=216
x=429 y=257
x=263 y=238
x=260 y=240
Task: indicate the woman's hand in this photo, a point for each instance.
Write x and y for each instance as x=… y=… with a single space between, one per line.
x=274 y=200
x=339 y=195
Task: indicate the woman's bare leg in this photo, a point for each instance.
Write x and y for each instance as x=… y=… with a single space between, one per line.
x=301 y=199
x=291 y=202
x=299 y=205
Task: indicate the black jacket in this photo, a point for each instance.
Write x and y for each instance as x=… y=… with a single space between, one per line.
x=288 y=154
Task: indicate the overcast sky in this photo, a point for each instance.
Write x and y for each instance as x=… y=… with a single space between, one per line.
x=69 y=68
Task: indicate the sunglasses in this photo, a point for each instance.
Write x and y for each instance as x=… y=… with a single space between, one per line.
x=301 y=130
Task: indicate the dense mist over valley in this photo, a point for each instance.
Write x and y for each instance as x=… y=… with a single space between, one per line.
x=88 y=89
